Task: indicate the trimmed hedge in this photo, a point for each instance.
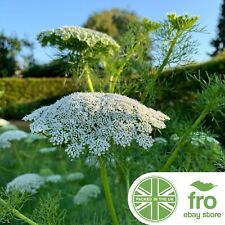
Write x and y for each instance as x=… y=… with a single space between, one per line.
x=214 y=66
x=21 y=96
x=181 y=87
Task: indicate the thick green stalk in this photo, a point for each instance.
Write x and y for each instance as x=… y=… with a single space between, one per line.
x=114 y=79
x=107 y=192
x=17 y=213
x=88 y=79
x=182 y=141
x=166 y=59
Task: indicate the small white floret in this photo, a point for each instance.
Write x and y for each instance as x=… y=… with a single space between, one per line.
x=87 y=192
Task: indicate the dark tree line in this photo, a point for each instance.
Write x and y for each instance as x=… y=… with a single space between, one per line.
x=219 y=42
x=10 y=47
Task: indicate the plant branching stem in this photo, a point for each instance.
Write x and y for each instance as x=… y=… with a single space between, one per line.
x=107 y=192
x=166 y=59
x=17 y=213
x=182 y=141
x=114 y=79
x=19 y=160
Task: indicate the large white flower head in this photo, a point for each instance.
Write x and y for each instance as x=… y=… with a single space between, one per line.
x=26 y=183
x=76 y=38
x=92 y=120
x=11 y=135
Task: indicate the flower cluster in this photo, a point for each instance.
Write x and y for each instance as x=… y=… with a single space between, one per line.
x=47 y=150
x=75 y=176
x=183 y=22
x=86 y=193
x=92 y=120
x=7 y=127
x=197 y=139
x=26 y=183
x=161 y=141
x=71 y=37
x=11 y=135
x=56 y=178
x=201 y=138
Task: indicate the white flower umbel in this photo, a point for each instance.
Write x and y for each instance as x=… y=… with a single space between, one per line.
x=11 y=135
x=56 y=178
x=75 y=176
x=86 y=193
x=4 y=122
x=201 y=138
x=92 y=120
x=76 y=37
x=29 y=183
x=47 y=150
x=161 y=141
x=7 y=127
x=174 y=138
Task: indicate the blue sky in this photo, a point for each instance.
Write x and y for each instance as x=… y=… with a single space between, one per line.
x=26 y=18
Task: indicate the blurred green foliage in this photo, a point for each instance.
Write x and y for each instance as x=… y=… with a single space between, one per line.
x=113 y=22
x=219 y=42
x=10 y=47
x=55 y=68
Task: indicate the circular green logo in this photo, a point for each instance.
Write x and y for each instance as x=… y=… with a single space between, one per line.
x=152 y=198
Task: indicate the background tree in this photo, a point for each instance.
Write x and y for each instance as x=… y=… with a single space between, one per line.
x=129 y=30
x=219 y=42
x=113 y=22
x=9 y=49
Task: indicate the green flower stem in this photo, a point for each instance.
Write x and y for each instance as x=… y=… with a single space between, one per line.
x=18 y=158
x=17 y=213
x=107 y=192
x=126 y=174
x=182 y=141
x=88 y=79
x=166 y=59
x=114 y=79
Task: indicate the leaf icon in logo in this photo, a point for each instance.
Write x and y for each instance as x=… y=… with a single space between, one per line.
x=203 y=186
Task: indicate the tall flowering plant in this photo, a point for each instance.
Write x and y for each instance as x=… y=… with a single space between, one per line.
x=88 y=123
